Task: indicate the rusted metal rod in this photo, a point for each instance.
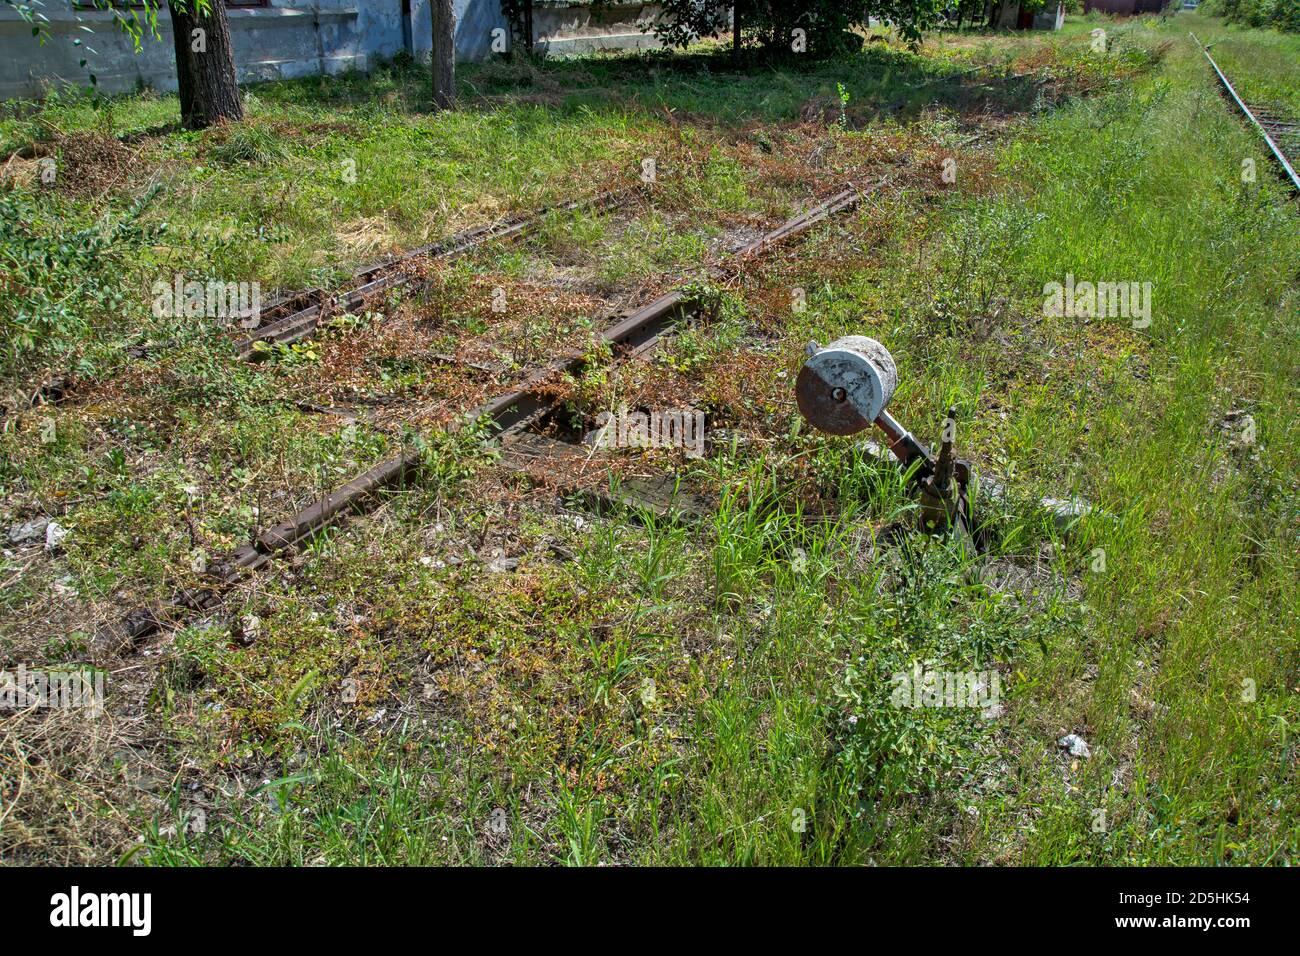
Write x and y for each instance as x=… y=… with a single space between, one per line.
x=904 y=446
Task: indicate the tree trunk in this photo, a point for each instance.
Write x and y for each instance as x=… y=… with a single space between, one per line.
x=444 y=55
x=735 y=33
x=205 y=66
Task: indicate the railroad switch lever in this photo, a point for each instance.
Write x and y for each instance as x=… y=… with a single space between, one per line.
x=844 y=388
x=943 y=498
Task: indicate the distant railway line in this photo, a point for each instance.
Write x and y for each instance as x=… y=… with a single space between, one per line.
x=1280 y=134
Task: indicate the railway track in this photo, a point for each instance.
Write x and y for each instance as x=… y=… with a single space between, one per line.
x=1280 y=133
x=295 y=316
x=507 y=417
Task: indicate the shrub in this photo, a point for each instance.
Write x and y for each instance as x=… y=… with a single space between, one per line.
x=1281 y=14
x=54 y=284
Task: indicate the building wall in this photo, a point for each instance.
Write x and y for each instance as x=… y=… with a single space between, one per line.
x=1010 y=15
x=1119 y=8
x=1123 y=8
x=559 y=27
x=290 y=38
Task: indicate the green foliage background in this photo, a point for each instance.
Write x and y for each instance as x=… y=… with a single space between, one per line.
x=1280 y=14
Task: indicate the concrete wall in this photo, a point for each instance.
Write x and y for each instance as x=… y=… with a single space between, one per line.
x=560 y=28
x=291 y=38
x=563 y=28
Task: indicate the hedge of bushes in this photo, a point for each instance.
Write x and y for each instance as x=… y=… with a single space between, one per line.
x=1282 y=14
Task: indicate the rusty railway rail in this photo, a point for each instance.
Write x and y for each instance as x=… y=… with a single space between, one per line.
x=638 y=330
x=1268 y=126
x=507 y=415
x=388 y=273
x=296 y=315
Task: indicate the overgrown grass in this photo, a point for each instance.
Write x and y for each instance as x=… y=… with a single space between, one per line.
x=638 y=690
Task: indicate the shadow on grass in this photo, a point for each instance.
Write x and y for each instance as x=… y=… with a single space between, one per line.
x=706 y=87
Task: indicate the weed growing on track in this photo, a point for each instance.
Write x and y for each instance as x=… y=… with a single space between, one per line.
x=487 y=669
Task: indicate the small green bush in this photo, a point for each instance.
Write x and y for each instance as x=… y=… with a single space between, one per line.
x=58 y=283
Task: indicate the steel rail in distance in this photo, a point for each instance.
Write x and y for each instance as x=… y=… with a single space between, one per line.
x=1276 y=150
x=632 y=334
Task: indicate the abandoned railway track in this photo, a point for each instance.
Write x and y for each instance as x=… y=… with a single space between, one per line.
x=507 y=418
x=1280 y=134
x=295 y=316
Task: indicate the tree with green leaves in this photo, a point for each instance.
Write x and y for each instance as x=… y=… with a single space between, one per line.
x=205 y=62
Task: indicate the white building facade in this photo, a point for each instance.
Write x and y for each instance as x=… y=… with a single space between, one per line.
x=285 y=39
